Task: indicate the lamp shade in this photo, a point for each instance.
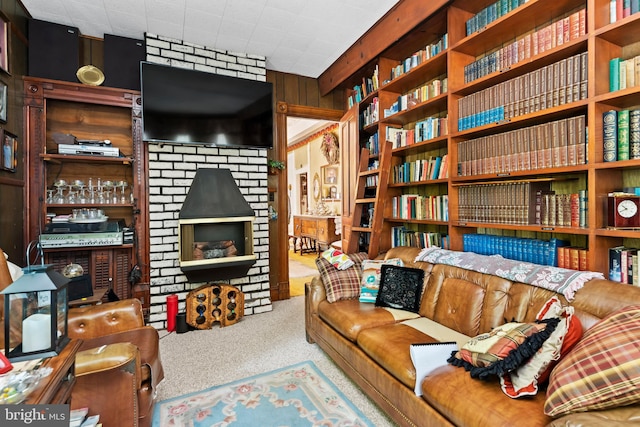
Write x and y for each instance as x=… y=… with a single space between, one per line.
x=36 y=312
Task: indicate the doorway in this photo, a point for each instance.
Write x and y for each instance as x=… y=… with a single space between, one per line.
x=290 y=182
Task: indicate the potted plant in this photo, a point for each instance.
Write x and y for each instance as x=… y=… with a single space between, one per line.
x=275 y=166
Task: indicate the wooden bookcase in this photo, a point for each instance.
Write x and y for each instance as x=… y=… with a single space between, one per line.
x=88 y=113
x=484 y=61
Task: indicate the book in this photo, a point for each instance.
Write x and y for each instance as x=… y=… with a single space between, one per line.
x=610 y=135
x=614 y=74
x=634 y=134
x=428 y=356
x=615 y=263
x=623 y=135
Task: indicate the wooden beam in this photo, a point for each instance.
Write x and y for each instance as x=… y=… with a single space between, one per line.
x=401 y=19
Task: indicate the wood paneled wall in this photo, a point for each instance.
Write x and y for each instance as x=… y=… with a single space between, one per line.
x=12 y=184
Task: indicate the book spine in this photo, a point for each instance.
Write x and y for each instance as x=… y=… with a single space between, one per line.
x=583 y=260
x=614 y=74
x=623 y=135
x=610 y=135
x=634 y=134
x=615 y=274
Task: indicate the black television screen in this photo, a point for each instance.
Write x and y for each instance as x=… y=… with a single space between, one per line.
x=194 y=107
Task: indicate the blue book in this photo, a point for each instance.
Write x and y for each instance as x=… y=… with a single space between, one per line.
x=614 y=74
x=436 y=168
x=635 y=6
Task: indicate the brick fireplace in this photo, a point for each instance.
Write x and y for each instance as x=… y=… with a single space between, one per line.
x=172 y=169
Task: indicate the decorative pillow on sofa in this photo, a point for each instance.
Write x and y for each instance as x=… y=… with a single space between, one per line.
x=400 y=287
x=602 y=370
x=341 y=284
x=503 y=349
x=524 y=380
x=371 y=272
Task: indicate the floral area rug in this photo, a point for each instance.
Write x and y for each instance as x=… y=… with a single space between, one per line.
x=298 y=395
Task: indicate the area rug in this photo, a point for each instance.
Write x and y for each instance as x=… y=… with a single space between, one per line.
x=298 y=395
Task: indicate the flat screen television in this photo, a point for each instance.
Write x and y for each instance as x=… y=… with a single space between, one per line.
x=181 y=106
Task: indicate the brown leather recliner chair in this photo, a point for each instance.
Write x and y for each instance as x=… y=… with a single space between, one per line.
x=118 y=366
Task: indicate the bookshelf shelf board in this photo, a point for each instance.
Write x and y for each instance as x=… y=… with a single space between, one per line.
x=548 y=114
x=418 y=147
x=523 y=227
x=431 y=107
x=620 y=164
x=414 y=183
x=550 y=56
x=531 y=15
x=625 y=98
x=60 y=158
x=428 y=70
x=622 y=32
x=633 y=233
x=520 y=174
x=415 y=221
x=370 y=129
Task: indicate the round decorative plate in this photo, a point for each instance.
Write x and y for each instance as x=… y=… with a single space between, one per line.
x=90 y=75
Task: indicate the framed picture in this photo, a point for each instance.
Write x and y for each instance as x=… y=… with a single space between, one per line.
x=4 y=43
x=3 y=102
x=330 y=174
x=9 y=151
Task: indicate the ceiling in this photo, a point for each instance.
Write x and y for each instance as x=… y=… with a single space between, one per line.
x=301 y=37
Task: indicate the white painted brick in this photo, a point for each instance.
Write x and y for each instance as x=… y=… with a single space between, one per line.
x=215 y=63
x=238 y=67
x=179 y=47
x=175 y=62
x=173 y=55
x=169 y=39
x=226 y=58
x=206 y=68
x=204 y=52
x=257 y=71
x=196 y=60
x=225 y=72
x=157 y=43
x=247 y=61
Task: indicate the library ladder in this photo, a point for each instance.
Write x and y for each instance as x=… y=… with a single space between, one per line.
x=371 y=188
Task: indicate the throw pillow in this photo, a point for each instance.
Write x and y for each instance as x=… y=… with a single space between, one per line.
x=371 y=272
x=400 y=287
x=337 y=258
x=341 y=284
x=503 y=349
x=602 y=370
x=524 y=381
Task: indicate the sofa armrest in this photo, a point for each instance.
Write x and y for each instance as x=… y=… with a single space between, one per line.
x=314 y=295
x=107 y=382
x=614 y=417
x=147 y=340
x=103 y=319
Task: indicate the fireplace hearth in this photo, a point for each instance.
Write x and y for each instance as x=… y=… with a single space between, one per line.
x=215 y=228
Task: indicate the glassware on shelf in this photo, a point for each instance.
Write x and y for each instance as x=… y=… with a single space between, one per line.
x=123 y=185
x=71 y=196
x=50 y=196
x=58 y=197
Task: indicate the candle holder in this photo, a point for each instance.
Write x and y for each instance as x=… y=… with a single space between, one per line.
x=35 y=306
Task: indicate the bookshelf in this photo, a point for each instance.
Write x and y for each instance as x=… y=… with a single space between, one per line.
x=523 y=89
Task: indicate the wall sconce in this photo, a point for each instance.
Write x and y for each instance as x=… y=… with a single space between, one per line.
x=35 y=321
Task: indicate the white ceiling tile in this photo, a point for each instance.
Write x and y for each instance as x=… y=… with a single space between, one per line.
x=297 y=36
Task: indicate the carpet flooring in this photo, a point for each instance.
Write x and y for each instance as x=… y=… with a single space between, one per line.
x=259 y=343
x=292 y=396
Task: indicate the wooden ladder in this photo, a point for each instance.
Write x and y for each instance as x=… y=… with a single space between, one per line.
x=370 y=196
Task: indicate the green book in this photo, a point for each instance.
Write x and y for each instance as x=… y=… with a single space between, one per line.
x=614 y=74
x=634 y=134
x=610 y=135
x=623 y=135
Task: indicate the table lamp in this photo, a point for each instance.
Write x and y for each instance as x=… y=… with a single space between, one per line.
x=35 y=322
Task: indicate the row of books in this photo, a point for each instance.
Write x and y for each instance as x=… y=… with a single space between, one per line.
x=419 y=57
x=555 y=34
x=373 y=144
x=361 y=91
x=501 y=203
x=536 y=251
x=370 y=115
x=418 y=95
x=401 y=236
x=371 y=181
x=624 y=73
x=552 y=144
x=423 y=130
x=573 y=258
x=623 y=265
x=416 y=206
x=621 y=135
x=619 y=9
x=433 y=167
x=490 y=13
x=556 y=84
x=561 y=210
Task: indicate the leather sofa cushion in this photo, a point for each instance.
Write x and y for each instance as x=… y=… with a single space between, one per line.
x=471 y=402
x=389 y=345
x=350 y=317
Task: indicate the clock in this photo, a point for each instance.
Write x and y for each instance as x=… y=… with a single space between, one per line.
x=623 y=210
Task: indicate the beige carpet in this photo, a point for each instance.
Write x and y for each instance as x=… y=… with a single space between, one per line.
x=259 y=343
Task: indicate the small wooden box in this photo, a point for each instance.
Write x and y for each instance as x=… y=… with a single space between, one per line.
x=210 y=304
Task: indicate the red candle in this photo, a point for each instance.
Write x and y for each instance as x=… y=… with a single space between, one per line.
x=172 y=310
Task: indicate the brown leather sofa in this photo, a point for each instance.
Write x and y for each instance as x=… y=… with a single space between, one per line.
x=372 y=346
x=118 y=366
